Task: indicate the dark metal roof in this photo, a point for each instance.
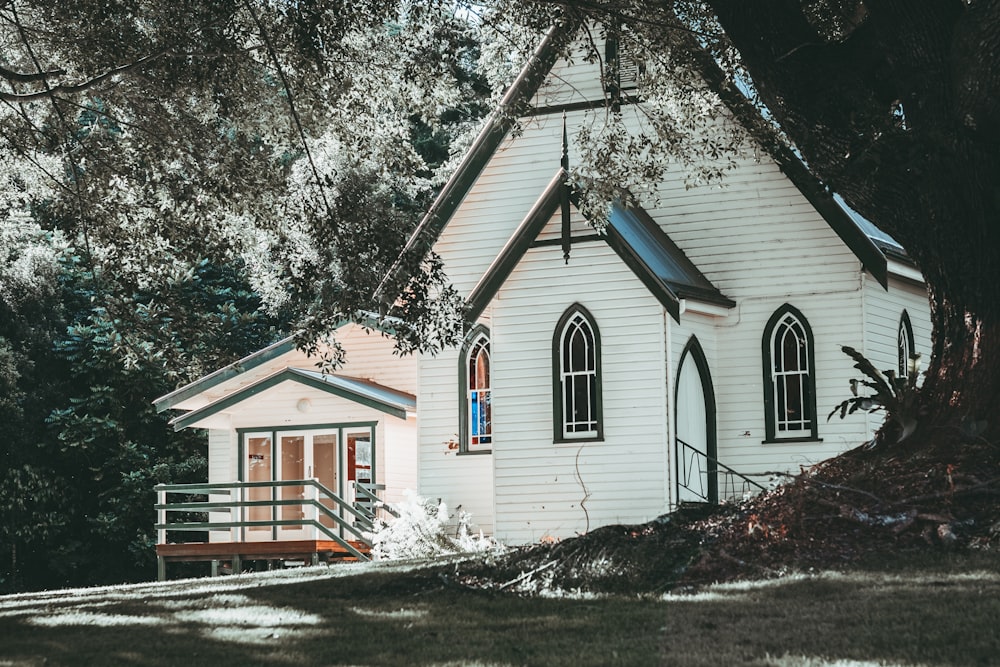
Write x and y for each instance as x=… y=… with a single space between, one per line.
x=661 y=259
x=644 y=247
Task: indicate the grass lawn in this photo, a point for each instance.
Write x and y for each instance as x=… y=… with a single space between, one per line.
x=945 y=613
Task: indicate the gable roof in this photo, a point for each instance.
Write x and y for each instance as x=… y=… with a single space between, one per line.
x=371 y=394
x=499 y=123
x=502 y=120
x=258 y=358
x=255 y=360
x=644 y=247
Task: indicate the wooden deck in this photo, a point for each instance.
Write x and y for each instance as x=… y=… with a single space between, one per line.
x=312 y=551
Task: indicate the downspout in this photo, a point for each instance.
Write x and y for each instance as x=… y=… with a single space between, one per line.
x=670 y=448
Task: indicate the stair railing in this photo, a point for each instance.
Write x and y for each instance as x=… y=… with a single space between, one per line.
x=694 y=464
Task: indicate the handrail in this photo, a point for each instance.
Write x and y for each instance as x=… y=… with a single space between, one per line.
x=235 y=506
x=715 y=467
x=364 y=491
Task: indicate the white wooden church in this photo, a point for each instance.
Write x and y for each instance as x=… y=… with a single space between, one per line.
x=680 y=355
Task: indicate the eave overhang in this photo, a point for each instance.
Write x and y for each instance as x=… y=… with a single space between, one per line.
x=259 y=358
x=370 y=394
x=634 y=236
x=500 y=122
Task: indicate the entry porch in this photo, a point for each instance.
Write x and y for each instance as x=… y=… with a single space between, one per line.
x=234 y=522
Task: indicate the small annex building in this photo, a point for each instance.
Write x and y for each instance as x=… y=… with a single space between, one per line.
x=681 y=354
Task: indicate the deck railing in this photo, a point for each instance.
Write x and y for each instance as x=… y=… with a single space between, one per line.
x=710 y=481
x=255 y=506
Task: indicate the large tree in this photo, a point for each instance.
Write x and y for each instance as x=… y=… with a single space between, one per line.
x=895 y=107
x=261 y=129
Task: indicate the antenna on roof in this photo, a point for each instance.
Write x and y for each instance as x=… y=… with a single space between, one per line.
x=566 y=237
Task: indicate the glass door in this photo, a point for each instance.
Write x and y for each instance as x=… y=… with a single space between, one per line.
x=325 y=464
x=259 y=468
x=361 y=463
x=292 y=461
x=335 y=457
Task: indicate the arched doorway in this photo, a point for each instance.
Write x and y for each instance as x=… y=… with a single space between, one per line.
x=695 y=438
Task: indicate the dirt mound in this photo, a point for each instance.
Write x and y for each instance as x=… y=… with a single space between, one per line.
x=880 y=503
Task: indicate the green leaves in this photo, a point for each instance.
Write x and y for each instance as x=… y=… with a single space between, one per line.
x=896 y=395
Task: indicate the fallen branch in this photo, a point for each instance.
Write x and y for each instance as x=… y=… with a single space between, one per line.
x=527 y=575
x=950 y=493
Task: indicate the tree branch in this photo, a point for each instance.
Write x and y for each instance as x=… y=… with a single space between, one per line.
x=21 y=77
x=51 y=91
x=291 y=106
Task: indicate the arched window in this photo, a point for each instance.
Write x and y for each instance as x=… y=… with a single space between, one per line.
x=905 y=349
x=577 y=377
x=475 y=400
x=789 y=377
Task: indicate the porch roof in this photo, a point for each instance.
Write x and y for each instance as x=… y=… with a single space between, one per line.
x=371 y=394
x=269 y=355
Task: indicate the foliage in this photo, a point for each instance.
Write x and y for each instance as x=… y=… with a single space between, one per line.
x=160 y=136
x=179 y=185
x=424 y=529
x=896 y=395
x=82 y=446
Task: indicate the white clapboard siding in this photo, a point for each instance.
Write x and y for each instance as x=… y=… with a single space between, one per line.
x=370 y=355
x=400 y=459
x=883 y=312
x=754 y=236
x=577 y=80
x=498 y=202
x=221 y=469
x=546 y=489
x=464 y=480
x=835 y=319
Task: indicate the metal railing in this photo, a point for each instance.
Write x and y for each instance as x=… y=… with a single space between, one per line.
x=368 y=503
x=700 y=475
x=321 y=513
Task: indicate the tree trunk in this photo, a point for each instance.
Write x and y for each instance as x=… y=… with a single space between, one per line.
x=961 y=390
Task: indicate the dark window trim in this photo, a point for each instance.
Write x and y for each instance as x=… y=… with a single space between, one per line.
x=694 y=349
x=770 y=428
x=558 y=436
x=463 y=389
x=903 y=361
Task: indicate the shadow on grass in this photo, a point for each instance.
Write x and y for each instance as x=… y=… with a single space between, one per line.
x=415 y=618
